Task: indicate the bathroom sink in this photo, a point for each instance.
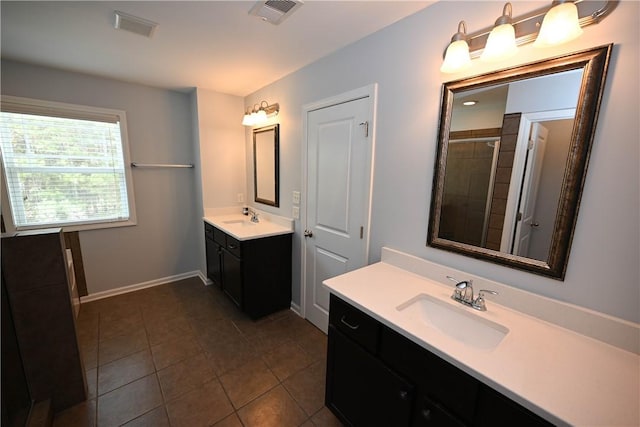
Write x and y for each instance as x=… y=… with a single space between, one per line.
x=241 y=222
x=456 y=322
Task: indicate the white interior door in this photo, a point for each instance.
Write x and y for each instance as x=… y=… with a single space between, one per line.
x=339 y=154
x=535 y=157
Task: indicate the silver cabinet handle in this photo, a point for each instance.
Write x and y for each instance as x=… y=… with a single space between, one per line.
x=349 y=325
x=535 y=224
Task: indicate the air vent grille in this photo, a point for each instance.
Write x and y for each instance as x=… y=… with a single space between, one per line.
x=275 y=11
x=283 y=6
x=134 y=24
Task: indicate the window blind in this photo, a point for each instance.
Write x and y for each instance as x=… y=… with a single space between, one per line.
x=63 y=166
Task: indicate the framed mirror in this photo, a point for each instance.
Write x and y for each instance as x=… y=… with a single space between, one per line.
x=513 y=149
x=266 y=165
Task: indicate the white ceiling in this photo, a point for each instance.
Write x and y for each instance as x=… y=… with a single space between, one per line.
x=214 y=45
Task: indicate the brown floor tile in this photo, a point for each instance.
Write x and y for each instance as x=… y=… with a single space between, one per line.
x=185 y=376
x=81 y=415
x=115 y=326
x=90 y=356
x=229 y=355
x=155 y=418
x=128 y=402
x=92 y=383
x=122 y=345
x=174 y=351
x=325 y=418
x=164 y=308
x=247 y=382
x=167 y=329
x=231 y=421
x=202 y=407
x=124 y=371
x=307 y=387
x=214 y=333
x=118 y=307
x=275 y=408
x=314 y=343
x=287 y=359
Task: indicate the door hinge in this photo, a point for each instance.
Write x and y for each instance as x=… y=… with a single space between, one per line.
x=366 y=128
x=519 y=216
x=361 y=232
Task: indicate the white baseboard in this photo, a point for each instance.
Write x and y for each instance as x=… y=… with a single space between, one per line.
x=143 y=285
x=296 y=309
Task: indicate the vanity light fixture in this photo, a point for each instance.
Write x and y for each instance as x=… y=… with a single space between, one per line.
x=469 y=103
x=260 y=113
x=457 y=56
x=540 y=25
x=501 y=43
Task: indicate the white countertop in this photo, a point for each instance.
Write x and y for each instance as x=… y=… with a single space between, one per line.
x=565 y=377
x=240 y=227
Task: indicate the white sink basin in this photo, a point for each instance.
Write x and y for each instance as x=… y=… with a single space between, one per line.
x=456 y=322
x=240 y=222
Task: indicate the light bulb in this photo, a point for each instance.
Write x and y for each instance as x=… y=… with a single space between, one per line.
x=560 y=25
x=457 y=56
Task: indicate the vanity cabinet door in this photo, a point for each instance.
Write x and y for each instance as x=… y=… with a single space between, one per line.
x=232 y=277
x=361 y=390
x=214 y=255
x=494 y=409
x=444 y=384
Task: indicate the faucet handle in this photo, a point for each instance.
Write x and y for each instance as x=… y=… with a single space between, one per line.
x=479 y=303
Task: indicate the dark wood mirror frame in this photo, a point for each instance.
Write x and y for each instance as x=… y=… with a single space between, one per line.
x=271 y=155
x=594 y=63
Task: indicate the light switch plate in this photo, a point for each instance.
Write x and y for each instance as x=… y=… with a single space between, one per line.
x=295 y=212
x=296 y=197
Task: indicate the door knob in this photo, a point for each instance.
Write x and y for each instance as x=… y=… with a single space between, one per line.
x=308 y=233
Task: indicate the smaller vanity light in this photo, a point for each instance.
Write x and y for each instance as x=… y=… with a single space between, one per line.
x=501 y=43
x=560 y=24
x=260 y=113
x=457 y=56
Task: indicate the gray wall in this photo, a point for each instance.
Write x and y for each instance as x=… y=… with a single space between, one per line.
x=164 y=242
x=404 y=59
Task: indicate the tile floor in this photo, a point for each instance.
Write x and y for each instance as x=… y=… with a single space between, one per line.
x=182 y=354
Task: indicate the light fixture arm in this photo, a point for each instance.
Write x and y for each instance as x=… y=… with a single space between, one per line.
x=506 y=15
x=527 y=26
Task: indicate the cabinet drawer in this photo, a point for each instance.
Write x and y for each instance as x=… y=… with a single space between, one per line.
x=360 y=327
x=220 y=237
x=233 y=246
x=208 y=231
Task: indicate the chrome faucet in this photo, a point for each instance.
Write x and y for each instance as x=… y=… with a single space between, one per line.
x=254 y=215
x=463 y=293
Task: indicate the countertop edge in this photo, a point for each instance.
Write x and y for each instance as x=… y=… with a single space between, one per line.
x=273 y=229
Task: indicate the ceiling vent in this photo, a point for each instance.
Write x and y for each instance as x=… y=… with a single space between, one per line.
x=275 y=11
x=134 y=24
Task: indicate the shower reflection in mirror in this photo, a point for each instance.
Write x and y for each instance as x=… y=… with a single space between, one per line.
x=505 y=163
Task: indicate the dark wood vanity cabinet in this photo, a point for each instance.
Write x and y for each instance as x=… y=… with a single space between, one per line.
x=377 y=377
x=255 y=273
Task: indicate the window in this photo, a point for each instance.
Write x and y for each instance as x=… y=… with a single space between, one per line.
x=64 y=165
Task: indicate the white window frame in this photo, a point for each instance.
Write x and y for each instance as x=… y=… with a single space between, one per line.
x=74 y=111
